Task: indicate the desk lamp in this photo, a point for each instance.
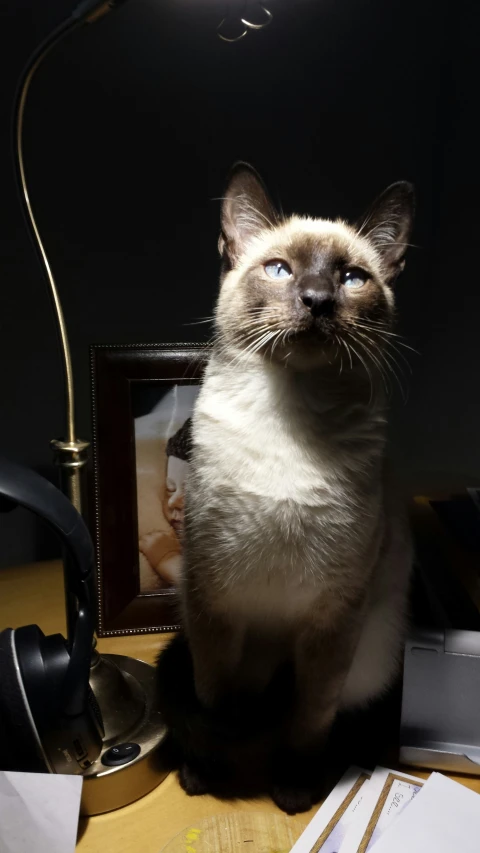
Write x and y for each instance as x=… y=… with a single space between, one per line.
x=124 y=687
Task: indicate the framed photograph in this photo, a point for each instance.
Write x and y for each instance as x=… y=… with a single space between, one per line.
x=143 y=396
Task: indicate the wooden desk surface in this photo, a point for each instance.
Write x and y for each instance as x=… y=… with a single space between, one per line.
x=34 y=594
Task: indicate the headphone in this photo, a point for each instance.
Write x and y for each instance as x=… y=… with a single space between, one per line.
x=50 y=721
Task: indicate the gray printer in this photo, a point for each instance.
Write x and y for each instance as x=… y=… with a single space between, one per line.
x=440 y=721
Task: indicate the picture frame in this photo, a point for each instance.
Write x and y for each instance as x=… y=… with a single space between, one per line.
x=142 y=398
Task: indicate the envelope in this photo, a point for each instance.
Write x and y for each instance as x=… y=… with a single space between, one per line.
x=444 y=817
x=39 y=812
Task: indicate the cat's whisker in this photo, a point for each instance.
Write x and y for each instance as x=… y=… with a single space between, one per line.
x=391 y=345
x=381 y=329
x=367 y=371
x=263 y=310
x=345 y=344
x=376 y=359
x=261 y=335
x=337 y=353
x=398 y=341
x=377 y=324
x=261 y=318
x=256 y=327
x=263 y=342
x=377 y=330
x=388 y=358
x=286 y=340
x=379 y=350
x=264 y=315
x=267 y=320
x=254 y=332
x=374 y=324
x=405 y=346
x=200 y=322
x=260 y=324
x=397 y=243
x=274 y=343
x=259 y=342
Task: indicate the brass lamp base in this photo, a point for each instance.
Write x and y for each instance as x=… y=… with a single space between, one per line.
x=134 y=733
x=130 y=764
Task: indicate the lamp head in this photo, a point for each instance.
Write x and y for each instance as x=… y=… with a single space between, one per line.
x=233 y=27
x=90 y=10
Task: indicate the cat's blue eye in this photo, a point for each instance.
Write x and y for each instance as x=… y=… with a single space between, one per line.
x=354 y=278
x=277 y=270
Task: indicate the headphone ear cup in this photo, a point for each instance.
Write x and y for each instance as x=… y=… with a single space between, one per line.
x=20 y=746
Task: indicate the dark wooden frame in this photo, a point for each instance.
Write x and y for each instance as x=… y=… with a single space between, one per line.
x=122 y=609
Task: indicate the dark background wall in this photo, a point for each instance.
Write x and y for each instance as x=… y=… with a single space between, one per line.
x=131 y=126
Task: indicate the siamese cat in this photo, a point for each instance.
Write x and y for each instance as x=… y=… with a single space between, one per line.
x=295 y=548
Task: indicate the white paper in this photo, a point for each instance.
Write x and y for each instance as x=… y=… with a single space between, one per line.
x=444 y=817
x=337 y=814
x=39 y=812
x=396 y=791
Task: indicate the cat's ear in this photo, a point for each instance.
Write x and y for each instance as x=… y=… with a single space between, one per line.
x=388 y=224
x=246 y=210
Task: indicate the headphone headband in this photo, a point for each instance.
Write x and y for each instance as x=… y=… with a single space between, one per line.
x=27 y=488
x=23 y=487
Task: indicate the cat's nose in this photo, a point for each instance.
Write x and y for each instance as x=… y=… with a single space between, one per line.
x=319 y=302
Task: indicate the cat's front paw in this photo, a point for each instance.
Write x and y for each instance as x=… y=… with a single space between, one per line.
x=192 y=781
x=297 y=781
x=294 y=799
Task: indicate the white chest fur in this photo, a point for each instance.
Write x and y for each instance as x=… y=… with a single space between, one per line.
x=280 y=480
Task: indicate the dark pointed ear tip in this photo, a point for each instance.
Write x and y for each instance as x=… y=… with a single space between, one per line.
x=242 y=164
x=402 y=189
x=242 y=168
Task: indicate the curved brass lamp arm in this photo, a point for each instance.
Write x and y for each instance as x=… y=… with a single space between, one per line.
x=70 y=451
x=35 y=60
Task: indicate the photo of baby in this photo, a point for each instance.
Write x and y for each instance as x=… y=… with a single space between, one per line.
x=162 y=421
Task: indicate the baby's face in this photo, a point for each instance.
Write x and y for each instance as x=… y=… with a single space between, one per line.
x=175 y=483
